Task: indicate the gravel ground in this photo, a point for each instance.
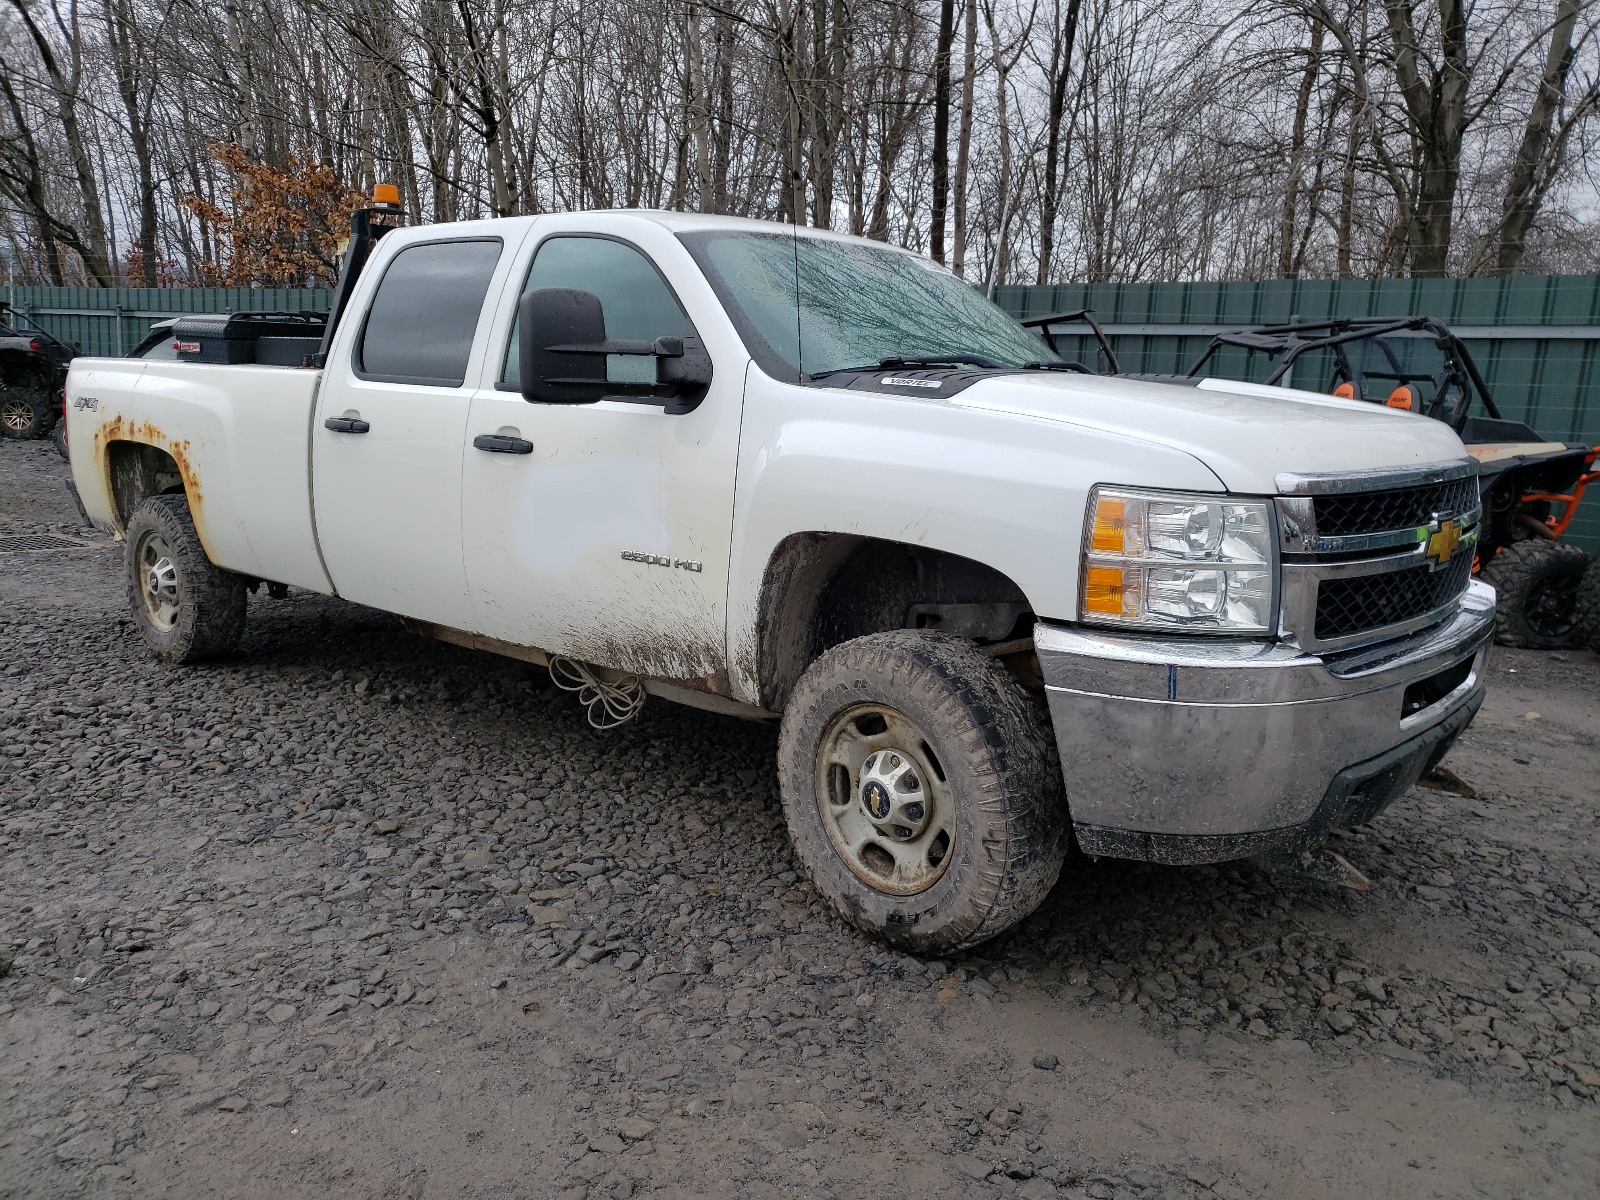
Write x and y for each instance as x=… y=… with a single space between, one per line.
x=356 y=914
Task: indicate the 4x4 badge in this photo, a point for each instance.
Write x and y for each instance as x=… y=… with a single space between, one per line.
x=1443 y=538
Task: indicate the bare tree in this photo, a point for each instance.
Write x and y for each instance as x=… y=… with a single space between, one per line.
x=156 y=141
x=60 y=54
x=1553 y=116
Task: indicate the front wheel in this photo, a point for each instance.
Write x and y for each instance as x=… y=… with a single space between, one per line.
x=1589 y=607
x=1536 y=582
x=921 y=790
x=187 y=608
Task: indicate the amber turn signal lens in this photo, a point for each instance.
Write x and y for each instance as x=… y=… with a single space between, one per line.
x=1404 y=396
x=1103 y=589
x=1110 y=525
x=385 y=193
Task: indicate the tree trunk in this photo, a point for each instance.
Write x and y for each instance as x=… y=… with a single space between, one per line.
x=1297 y=150
x=699 y=107
x=136 y=78
x=1540 y=152
x=941 y=128
x=1057 y=145
x=487 y=110
x=969 y=71
x=1436 y=109
x=785 y=35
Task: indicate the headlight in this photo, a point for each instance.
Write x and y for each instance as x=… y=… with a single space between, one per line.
x=1168 y=561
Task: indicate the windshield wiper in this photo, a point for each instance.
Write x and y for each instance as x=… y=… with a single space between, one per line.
x=919 y=360
x=944 y=360
x=1077 y=368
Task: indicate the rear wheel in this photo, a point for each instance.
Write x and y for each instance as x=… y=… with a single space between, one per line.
x=58 y=438
x=24 y=414
x=1537 y=582
x=186 y=608
x=921 y=790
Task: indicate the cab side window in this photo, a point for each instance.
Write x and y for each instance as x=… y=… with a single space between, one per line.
x=638 y=304
x=425 y=313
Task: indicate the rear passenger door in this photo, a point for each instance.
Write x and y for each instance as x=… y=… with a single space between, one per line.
x=389 y=430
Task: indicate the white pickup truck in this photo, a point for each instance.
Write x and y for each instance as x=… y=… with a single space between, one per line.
x=998 y=603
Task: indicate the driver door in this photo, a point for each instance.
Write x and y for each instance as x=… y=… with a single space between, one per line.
x=607 y=538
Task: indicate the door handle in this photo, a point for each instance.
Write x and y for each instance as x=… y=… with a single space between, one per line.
x=499 y=443
x=346 y=425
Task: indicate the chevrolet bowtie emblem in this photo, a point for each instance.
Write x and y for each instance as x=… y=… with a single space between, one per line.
x=1443 y=538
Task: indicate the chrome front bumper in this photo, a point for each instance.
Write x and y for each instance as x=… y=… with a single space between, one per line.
x=1203 y=750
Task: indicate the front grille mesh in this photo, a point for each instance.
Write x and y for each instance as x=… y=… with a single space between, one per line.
x=1403 y=508
x=1350 y=606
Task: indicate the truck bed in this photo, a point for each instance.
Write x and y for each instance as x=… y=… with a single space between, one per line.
x=241 y=438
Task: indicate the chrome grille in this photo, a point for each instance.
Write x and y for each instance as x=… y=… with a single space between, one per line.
x=1355 y=552
x=1346 y=607
x=1402 y=508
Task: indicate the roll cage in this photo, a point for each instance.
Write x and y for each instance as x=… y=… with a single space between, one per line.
x=1453 y=386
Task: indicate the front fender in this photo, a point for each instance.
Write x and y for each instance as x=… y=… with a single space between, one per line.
x=1004 y=490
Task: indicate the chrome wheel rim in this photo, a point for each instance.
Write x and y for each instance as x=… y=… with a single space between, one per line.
x=158 y=581
x=884 y=800
x=16 y=416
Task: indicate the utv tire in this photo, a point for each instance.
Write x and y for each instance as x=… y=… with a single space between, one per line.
x=1589 y=607
x=922 y=790
x=58 y=438
x=1537 y=582
x=186 y=608
x=24 y=415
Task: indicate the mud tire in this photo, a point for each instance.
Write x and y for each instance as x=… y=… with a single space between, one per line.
x=1589 y=607
x=211 y=601
x=58 y=438
x=999 y=764
x=1537 y=583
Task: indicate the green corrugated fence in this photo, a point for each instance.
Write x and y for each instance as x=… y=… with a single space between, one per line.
x=1535 y=337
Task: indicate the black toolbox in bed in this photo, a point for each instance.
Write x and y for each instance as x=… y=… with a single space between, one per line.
x=281 y=339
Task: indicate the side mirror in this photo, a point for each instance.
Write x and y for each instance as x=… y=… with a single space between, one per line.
x=552 y=323
x=562 y=349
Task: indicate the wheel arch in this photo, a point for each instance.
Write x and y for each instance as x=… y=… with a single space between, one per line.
x=821 y=588
x=136 y=470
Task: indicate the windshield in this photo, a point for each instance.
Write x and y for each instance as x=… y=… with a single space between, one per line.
x=806 y=306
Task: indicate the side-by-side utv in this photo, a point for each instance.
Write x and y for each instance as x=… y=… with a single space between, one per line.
x=33 y=367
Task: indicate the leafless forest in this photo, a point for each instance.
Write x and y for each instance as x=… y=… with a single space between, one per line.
x=153 y=142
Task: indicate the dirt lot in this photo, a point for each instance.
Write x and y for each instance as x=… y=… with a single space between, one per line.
x=356 y=914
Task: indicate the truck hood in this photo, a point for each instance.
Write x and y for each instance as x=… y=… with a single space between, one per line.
x=1247 y=434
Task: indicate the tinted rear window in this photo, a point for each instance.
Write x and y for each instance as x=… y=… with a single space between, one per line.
x=421 y=324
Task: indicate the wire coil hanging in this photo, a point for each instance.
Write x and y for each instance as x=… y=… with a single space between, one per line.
x=608 y=704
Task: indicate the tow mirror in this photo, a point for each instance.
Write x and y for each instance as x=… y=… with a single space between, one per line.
x=557 y=332
x=562 y=350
